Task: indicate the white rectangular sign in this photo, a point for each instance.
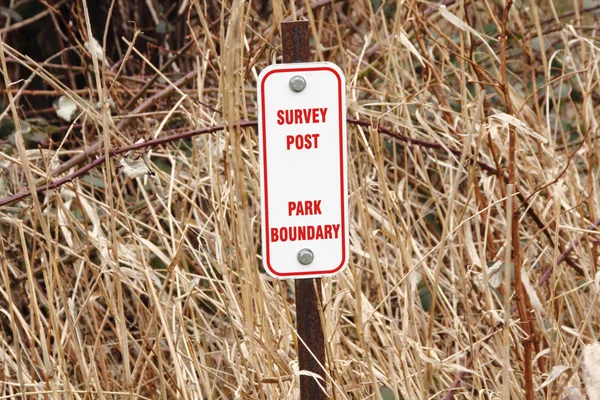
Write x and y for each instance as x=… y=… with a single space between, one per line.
x=303 y=175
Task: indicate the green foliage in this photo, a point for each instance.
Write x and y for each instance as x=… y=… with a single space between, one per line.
x=387 y=394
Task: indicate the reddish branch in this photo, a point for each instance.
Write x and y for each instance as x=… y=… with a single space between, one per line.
x=520 y=296
x=92 y=150
x=486 y=167
x=565 y=254
x=458 y=380
x=101 y=159
x=417 y=142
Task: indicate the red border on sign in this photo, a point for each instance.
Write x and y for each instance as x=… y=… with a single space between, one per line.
x=266 y=186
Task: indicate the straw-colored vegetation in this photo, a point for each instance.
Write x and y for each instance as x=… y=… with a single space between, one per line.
x=474 y=206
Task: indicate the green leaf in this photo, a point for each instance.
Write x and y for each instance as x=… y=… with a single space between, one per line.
x=387 y=394
x=4 y=185
x=425 y=296
x=7 y=127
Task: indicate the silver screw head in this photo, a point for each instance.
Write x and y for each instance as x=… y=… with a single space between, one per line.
x=305 y=256
x=297 y=83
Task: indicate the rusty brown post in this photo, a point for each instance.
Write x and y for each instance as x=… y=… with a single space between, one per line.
x=295 y=47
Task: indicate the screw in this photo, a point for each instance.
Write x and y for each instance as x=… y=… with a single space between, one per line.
x=297 y=83
x=305 y=256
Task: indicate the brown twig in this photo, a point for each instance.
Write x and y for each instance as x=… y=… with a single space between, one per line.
x=584 y=10
x=565 y=254
x=101 y=159
x=417 y=142
x=523 y=198
x=450 y=394
x=524 y=313
x=185 y=135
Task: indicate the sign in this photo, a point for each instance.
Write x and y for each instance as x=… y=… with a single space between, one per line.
x=303 y=175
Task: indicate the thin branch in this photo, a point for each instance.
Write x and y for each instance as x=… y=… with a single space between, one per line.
x=95 y=147
x=418 y=142
x=101 y=159
x=188 y=134
x=565 y=254
x=90 y=151
x=458 y=380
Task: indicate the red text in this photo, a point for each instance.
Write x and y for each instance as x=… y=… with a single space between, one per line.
x=301 y=116
x=309 y=232
x=306 y=207
x=310 y=141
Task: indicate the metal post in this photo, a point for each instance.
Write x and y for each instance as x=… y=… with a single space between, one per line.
x=295 y=46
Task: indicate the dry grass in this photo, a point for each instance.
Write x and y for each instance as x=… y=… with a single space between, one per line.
x=115 y=286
